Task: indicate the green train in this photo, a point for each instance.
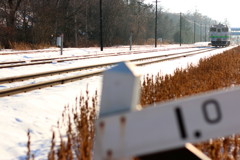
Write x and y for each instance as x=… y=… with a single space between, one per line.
x=220 y=35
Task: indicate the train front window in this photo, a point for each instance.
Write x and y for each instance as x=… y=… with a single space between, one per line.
x=219 y=30
x=213 y=29
x=225 y=29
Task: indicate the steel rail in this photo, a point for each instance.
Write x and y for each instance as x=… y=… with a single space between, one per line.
x=51 y=73
x=57 y=50
x=11 y=64
x=28 y=52
x=74 y=69
x=31 y=87
x=45 y=61
x=170 y=58
x=50 y=83
x=52 y=59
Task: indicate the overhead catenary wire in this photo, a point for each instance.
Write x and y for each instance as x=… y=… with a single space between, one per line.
x=192 y=22
x=202 y=28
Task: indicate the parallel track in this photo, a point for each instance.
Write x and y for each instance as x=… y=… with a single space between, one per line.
x=11 y=64
x=61 y=71
x=30 y=87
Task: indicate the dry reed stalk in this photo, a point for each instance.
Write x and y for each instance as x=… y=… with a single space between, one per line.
x=28 y=46
x=77 y=142
x=28 y=146
x=80 y=130
x=212 y=73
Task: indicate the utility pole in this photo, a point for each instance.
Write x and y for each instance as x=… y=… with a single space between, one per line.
x=75 y=25
x=205 y=33
x=201 y=32
x=61 y=50
x=138 y=21
x=86 y=27
x=180 y=29
x=156 y=24
x=194 y=31
x=101 y=38
x=130 y=40
x=194 y=36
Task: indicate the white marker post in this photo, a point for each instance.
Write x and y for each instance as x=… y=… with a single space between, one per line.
x=60 y=43
x=120 y=91
x=120 y=94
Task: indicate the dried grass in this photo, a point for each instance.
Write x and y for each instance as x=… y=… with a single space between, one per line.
x=151 y=41
x=212 y=73
x=219 y=71
x=27 y=46
x=80 y=131
x=76 y=143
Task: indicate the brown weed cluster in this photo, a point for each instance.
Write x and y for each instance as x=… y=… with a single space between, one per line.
x=77 y=124
x=80 y=132
x=224 y=148
x=212 y=73
x=28 y=46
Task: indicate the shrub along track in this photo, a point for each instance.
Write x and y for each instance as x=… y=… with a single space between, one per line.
x=30 y=87
x=213 y=73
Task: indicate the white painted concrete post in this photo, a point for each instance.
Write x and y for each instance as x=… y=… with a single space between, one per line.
x=120 y=92
x=59 y=41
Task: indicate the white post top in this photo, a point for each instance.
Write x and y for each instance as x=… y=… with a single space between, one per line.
x=120 y=92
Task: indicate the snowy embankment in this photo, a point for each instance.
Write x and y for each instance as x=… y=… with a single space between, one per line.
x=40 y=110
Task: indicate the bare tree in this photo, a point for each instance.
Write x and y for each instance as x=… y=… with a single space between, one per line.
x=9 y=9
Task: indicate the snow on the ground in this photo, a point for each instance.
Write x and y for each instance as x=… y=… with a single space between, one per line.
x=39 y=110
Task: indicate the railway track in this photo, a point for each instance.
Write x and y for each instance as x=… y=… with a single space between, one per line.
x=11 y=64
x=56 y=72
x=50 y=83
x=57 y=50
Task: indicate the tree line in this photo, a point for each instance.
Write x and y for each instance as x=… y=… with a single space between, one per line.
x=41 y=21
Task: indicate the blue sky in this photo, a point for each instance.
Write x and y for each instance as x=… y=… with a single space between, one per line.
x=215 y=9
